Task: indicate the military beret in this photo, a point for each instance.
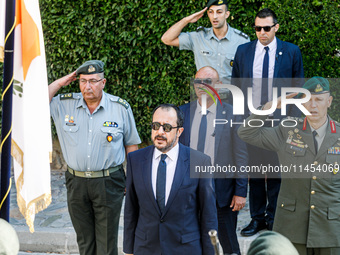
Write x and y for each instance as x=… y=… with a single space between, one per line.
x=217 y=2
x=316 y=85
x=271 y=243
x=91 y=67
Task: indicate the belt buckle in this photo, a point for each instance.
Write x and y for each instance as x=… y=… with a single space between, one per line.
x=88 y=174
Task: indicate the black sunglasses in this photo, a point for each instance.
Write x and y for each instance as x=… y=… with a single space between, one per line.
x=266 y=28
x=203 y=81
x=166 y=127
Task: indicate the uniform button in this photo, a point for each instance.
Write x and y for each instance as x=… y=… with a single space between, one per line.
x=316 y=162
x=88 y=156
x=312 y=192
x=219 y=54
x=294 y=152
x=312 y=207
x=282 y=205
x=89 y=143
x=88 y=168
x=314 y=177
x=90 y=130
x=162 y=220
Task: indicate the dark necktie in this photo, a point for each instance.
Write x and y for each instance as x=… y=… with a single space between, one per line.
x=315 y=141
x=160 y=183
x=265 y=69
x=202 y=133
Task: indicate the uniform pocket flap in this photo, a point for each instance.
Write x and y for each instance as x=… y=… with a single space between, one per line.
x=71 y=129
x=287 y=204
x=333 y=212
x=190 y=237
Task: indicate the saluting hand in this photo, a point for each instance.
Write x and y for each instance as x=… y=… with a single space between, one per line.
x=66 y=80
x=196 y=16
x=268 y=105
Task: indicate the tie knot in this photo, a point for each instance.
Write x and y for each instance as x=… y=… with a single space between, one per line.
x=315 y=133
x=266 y=48
x=163 y=157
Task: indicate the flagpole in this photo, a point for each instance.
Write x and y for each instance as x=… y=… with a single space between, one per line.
x=7 y=92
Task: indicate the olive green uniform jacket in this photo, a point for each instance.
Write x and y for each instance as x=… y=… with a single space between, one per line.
x=308 y=206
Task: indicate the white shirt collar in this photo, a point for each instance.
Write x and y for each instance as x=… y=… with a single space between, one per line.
x=272 y=46
x=171 y=154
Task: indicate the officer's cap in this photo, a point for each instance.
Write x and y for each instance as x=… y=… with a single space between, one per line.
x=316 y=85
x=217 y=2
x=91 y=67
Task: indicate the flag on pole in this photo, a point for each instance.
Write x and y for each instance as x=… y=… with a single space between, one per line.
x=2 y=28
x=31 y=131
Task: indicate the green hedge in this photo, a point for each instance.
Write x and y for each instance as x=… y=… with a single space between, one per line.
x=141 y=69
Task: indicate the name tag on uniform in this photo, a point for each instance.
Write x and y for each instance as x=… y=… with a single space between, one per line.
x=205 y=52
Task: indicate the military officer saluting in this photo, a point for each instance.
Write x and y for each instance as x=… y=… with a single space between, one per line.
x=96 y=130
x=308 y=206
x=215 y=46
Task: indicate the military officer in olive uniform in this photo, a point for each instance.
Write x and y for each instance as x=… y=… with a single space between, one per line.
x=215 y=46
x=96 y=131
x=308 y=206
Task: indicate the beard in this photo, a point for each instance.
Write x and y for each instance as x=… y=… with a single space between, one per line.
x=169 y=144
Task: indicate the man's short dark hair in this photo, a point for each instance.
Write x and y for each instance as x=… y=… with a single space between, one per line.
x=266 y=12
x=180 y=115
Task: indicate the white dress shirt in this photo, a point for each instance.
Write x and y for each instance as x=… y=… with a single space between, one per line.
x=171 y=161
x=321 y=133
x=257 y=71
x=209 y=146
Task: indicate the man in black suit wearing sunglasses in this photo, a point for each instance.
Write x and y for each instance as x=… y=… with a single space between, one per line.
x=166 y=211
x=262 y=65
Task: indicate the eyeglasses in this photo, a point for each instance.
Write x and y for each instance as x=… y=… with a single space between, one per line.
x=92 y=81
x=266 y=28
x=166 y=127
x=203 y=81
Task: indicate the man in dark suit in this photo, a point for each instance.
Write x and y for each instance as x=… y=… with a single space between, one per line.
x=225 y=148
x=262 y=65
x=166 y=211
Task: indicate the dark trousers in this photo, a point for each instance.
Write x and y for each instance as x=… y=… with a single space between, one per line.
x=227 y=221
x=263 y=188
x=94 y=206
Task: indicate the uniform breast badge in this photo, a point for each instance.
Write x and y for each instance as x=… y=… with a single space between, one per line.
x=109 y=137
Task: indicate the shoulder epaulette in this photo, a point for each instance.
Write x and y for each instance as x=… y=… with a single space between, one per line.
x=200 y=28
x=120 y=101
x=241 y=33
x=66 y=96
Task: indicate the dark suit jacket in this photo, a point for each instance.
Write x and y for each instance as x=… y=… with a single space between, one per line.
x=187 y=218
x=288 y=65
x=229 y=150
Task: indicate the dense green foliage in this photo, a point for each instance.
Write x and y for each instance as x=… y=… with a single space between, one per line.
x=141 y=69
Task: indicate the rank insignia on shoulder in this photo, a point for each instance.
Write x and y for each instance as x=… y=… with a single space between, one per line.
x=66 y=96
x=124 y=103
x=241 y=33
x=231 y=63
x=200 y=28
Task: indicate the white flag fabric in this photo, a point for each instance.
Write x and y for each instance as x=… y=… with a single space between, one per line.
x=2 y=28
x=31 y=135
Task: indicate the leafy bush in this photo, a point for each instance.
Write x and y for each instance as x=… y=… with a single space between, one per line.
x=145 y=72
